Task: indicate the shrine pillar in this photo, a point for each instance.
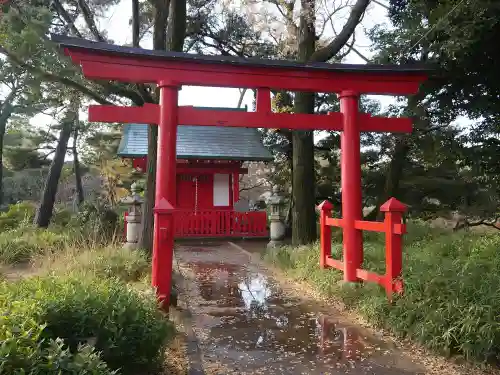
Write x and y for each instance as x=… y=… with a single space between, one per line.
x=351 y=184
x=163 y=244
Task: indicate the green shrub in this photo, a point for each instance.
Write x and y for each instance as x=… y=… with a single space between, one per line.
x=451 y=301
x=61 y=216
x=126 y=327
x=97 y=219
x=19 y=213
x=20 y=245
x=24 y=351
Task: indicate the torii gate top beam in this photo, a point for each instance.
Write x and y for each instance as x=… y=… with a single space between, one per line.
x=127 y=64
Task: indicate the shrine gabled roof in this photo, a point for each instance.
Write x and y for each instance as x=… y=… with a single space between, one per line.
x=201 y=142
x=89 y=45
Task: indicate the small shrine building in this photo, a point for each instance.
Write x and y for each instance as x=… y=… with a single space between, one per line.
x=209 y=165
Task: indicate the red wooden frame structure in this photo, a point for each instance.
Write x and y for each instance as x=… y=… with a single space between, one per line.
x=393 y=228
x=170 y=71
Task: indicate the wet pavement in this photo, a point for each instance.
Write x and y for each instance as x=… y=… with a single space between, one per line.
x=246 y=323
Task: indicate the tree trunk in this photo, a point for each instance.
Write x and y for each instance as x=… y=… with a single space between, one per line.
x=135 y=23
x=303 y=181
x=176 y=32
x=76 y=166
x=44 y=212
x=4 y=117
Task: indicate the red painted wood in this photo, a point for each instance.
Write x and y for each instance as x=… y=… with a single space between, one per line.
x=205 y=117
x=264 y=100
x=379 y=124
x=140 y=163
x=393 y=246
x=351 y=185
x=99 y=65
x=185 y=166
x=372 y=226
x=185 y=192
x=210 y=169
x=334 y=263
x=333 y=222
x=393 y=228
x=325 y=233
x=147 y=114
x=220 y=223
x=370 y=276
x=163 y=246
x=205 y=192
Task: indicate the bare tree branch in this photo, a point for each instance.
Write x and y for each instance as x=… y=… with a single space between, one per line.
x=326 y=53
x=381 y=4
x=329 y=19
x=356 y=51
x=89 y=20
x=242 y=96
x=70 y=23
x=287 y=14
x=259 y=184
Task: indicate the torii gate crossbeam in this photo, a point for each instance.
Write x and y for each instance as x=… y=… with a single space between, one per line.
x=170 y=71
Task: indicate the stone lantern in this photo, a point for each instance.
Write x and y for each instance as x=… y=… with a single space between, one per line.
x=134 y=216
x=277 y=228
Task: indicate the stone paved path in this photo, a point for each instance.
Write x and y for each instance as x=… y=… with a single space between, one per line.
x=246 y=324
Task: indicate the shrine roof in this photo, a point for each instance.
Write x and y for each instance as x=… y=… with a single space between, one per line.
x=201 y=142
x=112 y=49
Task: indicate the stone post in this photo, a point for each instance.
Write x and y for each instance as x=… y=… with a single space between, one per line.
x=277 y=228
x=134 y=217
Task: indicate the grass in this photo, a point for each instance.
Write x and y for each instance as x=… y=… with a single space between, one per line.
x=452 y=299
x=108 y=262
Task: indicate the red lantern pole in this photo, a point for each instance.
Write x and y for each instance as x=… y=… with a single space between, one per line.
x=351 y=184
x=163 y=245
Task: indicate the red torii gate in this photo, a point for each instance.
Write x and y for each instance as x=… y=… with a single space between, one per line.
x=171 y=70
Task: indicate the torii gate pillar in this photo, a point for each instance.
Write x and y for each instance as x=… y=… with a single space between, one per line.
x=351 y=184
x=165 y=191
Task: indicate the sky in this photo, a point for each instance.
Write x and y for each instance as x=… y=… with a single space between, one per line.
x=116 y=23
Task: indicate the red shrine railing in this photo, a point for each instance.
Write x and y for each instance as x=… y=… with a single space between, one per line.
x=220 y=223
x=217 y=223
x=393 y=228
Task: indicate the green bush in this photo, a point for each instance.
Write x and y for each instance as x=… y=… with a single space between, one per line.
x=98 y=218
x=451 y=302
x=61 y=216
x=18 y=214
x=20 y=245
x=24 y=351
x=126 y=327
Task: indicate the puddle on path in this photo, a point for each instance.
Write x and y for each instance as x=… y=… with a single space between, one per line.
x=252 y=327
